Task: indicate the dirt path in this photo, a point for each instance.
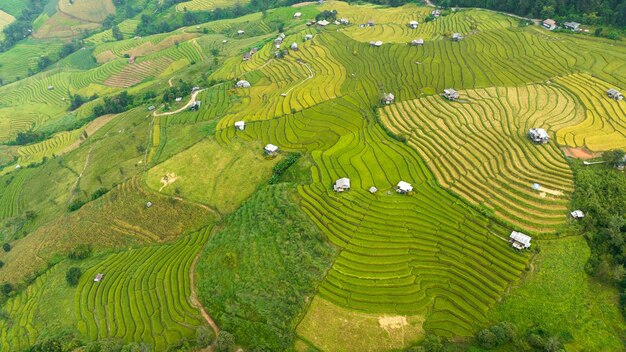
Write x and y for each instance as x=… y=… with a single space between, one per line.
x=194 y=297
x=79 y=176
x=191 y=101
x=311 y=75
x=169 y=82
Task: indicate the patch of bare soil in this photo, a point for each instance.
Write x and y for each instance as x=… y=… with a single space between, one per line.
x=300 y=4
x=168 y=179
x=580 y=153
x=397 y=322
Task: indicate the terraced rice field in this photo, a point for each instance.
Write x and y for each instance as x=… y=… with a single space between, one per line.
x=55 y=145
x=11 y=200
x=604 y=127
x=87 y=10
x=478 y=148
x=205 y=5
x=144 y=295
x=5 y=19
x=136 y=72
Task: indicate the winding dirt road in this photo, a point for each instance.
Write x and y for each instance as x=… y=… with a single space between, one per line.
x=191 y=101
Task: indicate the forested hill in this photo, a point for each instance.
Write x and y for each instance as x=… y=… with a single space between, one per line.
x=585 y=11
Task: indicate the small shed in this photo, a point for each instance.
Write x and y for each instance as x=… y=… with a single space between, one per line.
x=574 y=26
x=373 y=190
x=195 y=105
x=450 y=94
x=436 y=13
x=549 y=24
x=615 y=94
x=342 y=184
x=151 y=107
x=271 y=149
x=404 y=187
x=519 y=240
x=370 y=23
x=240 y=32
x=297 y=15
x=323 y=23
x=344 y=21
x=178 y=99
x=413 y=24
x=242 y=84
x=417 y=42
x=148 y=204
x=50 y=87
x=247 y=56
x=294 y=46
x=98 y=277
x=377 y=44
x=538 y=135
x=224 y=41
x=577 y=214
x=457 y=37
x=240 y=125
x=388 y=98
x=308 y=37
x=195 y=89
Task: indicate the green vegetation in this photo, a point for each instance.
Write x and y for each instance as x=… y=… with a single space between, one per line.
x=269 y=234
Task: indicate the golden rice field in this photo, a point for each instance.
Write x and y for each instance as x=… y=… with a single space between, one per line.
x=604 y=126
x=205 y=5
x=478 y=148
x=87 y=10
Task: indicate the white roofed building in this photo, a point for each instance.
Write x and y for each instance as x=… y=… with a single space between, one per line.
x=297 y=15
x=323 y=23
x=615 y=94
x=417 y=42
x=404 y=187
x=519 y=240
x=271 y=149
x=450 y=94
x=342 y=184
x=577 y=214
x=538 y=135
x=413 y=24
x=242 y=84
x=240 y=125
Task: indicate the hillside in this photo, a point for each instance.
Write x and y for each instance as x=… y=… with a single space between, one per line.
x=133 y=197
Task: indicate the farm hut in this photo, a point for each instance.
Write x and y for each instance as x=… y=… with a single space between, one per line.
x=344 y=21
x=151 y=107
x=271 y=149
x=50 y=87
x=240 y=125
x=240 y=32
x=278 y=41
x=308 y=37
x=342 y=184
x=254 y=51
x=519 y=240
x=388 y=98
x=577 y=214
x=195 y=89
x=131 y=60
x=538 y=135
x=436 y=13
x=148 y=204
x=404 y=187
x=615 y=94
x=549 y=24
x=98 y=277
x=17 y=167
x=536 y=186
x=247 y=56
x=417 y=42
x=195 y=105
x=413 y=24
x=450 y=94
x=294 y=46
x=457 y=37
x=373 y=190
x=178 y=99
x=370 y=23
x=242 y=84
x=297 y=15
x=323 y=23
x=574 y=26
x=224 y=41
x=377 y=44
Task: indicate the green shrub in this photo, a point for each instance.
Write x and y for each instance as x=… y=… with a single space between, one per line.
x=72 y=276
x=81 y=251
x=6 y=247
x=225 y=342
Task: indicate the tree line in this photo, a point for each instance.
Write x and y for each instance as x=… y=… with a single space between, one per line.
x=23 y=24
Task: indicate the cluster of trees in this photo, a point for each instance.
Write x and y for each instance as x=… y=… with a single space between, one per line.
x=114 y=104
x=78 y=101
x=181 y=89
x=23 y=24
x=282 y=166
x=327 y=15
x=601 y=194
x=584 y=11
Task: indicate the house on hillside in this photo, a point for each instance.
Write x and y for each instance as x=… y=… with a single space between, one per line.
x=519 y=240
x=577 y=214
x=574 y=26
x=436 y=13
x=417 y=42
x=373 y=190
x=549 y=24
x=240 y=125
x=376 y=44
x=344 y=21
x=538 y=135
x=413 y=24
x=151 y=107
x=370 y=23
x=297 y=15
x=308 y=37
x=404 y=187
x=450 y=94
x=615 y=94
x=50 y=87
x=341 y=185
x=294 y=46
x=456 y=37
x=240 y=32
x=270 y=149
x=98 y=277
x=195 y=105
x=242 y=84
x=247 y=56
x=323 y=23
x=388 y=98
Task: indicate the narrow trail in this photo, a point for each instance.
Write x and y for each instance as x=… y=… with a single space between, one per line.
x=169 y=82
x=80 y=175
x=311 y=75
x=191 y=101
x=193 y=298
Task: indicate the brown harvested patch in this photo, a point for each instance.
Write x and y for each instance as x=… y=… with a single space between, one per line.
x=149 y=48
x=90 y=129
x=580 y=153
x=137 y=72
x=300 y=4
x=105 y=57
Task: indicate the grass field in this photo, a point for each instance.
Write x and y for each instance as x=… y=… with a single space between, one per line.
x=13 y=7
x=560 y=297
x=479 y=149
x=5 y=20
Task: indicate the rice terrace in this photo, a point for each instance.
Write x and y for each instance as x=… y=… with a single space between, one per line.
x=383 y=175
